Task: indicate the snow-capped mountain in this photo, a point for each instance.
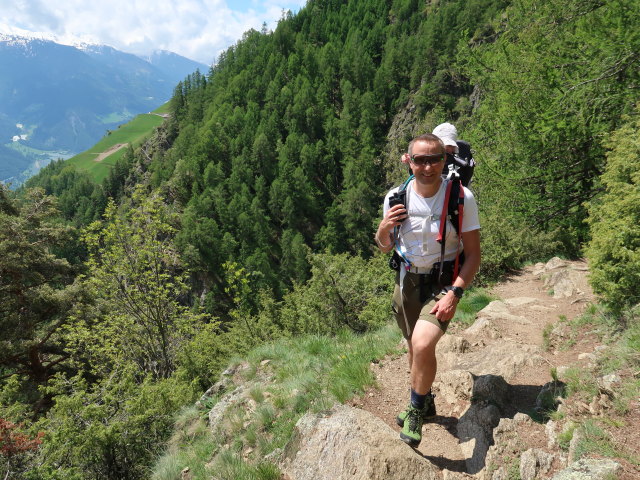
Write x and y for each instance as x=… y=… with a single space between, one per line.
x=60 y=98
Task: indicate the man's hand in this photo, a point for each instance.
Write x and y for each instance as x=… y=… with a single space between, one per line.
x=445 y=308
x=393 y=218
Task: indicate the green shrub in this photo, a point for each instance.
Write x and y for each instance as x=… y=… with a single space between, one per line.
x=614 y=250
x=113 y=429
x=508 y=242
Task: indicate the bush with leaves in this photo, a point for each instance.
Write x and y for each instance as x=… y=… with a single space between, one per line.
x=111 y=429
x=343 y=291
x=137 y=279
x=614 y=251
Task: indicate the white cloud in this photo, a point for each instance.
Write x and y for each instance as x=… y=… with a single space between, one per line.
x=198 y=29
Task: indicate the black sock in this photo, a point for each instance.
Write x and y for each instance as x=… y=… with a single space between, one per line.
x=417 y=400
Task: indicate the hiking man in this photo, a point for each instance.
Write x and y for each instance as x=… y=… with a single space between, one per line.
x=422 y=308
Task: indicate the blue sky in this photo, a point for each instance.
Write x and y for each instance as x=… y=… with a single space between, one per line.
x=197 y=29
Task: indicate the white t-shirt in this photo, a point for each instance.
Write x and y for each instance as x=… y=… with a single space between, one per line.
x=418 y=233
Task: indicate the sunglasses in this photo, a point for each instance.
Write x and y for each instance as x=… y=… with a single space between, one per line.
x=423 y=160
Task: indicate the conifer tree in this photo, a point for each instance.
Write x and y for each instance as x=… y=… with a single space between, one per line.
x=37 y=286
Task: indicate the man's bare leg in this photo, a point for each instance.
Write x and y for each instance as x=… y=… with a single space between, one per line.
x=422 y=353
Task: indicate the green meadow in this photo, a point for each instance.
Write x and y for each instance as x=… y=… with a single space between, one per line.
x=133 y=132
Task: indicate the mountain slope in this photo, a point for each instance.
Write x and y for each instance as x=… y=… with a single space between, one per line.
x=63 y=98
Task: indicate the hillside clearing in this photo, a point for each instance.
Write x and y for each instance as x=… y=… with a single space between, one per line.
x=110 y=151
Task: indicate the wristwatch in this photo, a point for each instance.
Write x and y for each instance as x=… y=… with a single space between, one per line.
x=457 y=291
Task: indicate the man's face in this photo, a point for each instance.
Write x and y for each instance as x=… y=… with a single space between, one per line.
x=429 y=173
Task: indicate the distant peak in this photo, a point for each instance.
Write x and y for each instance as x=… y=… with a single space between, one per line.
x=11 y=34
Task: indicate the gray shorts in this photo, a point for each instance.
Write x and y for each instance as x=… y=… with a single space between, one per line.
x=409 y=301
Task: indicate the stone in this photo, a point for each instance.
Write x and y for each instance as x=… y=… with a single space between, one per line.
x=564 y=287
x=482 y=326
x=600 y=404
x=534 y=463
x=587 y=356
x=502 y=359
x=349 y=443
x=589 y=469
x=576 y=438
x=564 y=283
x=543 y=308
x=217 y=413
x=449 y=475
x=606 y=383
x=519 y=301
x=521 y=418
x=452 y=343
x=500 y=474
x=549 y=397
x=455 y=385
x=498 y=310
x=552 y=437
x=506 y=425
x=554 y=263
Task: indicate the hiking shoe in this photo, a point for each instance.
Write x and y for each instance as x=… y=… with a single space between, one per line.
x=428 y=412
x=412 y=429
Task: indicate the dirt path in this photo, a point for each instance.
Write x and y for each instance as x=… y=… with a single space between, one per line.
x=525 y=365
x=110 y=151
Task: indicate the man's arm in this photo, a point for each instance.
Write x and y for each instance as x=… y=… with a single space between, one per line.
x=445 y=308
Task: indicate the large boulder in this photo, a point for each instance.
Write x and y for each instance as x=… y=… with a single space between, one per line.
x=349 y=443
x=502 y=359
x=534 y=463
x=452 y=343
x=455 y=385
x=499 y=310
x=589 y=469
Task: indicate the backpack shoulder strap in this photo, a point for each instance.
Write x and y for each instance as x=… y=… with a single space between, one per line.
x=455 y=206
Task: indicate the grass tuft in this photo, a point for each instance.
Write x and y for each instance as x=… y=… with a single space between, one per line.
x=306 y=374
x=474 y=300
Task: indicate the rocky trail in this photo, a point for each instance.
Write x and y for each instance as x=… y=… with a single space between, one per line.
x=494 y=378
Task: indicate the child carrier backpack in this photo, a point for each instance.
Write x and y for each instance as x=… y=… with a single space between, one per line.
x=462 y=162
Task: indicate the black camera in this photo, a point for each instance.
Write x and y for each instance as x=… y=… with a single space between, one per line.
x=397 y=198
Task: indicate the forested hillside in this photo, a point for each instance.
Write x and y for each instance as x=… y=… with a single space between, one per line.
x=250 y=213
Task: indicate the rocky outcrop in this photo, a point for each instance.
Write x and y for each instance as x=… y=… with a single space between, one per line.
x=534 y=463
x=348 y=443
x=589 y=469
x=564 y=279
